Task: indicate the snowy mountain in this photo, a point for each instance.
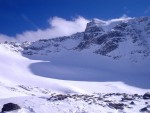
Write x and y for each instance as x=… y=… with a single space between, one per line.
x=114 y=38
x=109 y=60
x=118 y=38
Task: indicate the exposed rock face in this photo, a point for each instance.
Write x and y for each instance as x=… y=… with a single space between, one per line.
x=10 y=107
x=110 y=36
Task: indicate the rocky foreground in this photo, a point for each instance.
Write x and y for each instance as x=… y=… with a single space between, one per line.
x=79 y=103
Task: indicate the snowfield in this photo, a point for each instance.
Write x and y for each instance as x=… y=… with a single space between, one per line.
x=19 y=85
x=66 y=75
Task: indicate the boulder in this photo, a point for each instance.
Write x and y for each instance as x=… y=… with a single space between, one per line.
x=10 y=107
x=116 y=106
x=144 y=109
x=132 y=103
x=146 y=96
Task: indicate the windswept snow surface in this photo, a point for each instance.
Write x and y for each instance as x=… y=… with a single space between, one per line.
x=15 y=71
x=109 y=24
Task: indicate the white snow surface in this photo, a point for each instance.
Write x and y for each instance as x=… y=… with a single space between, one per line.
x=109 y=24
x=19 y=85
x=15 y=71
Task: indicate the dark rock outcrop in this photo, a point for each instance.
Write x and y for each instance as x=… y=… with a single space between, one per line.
x=116 y=106
x=144 y=109
x=132 y=103
x=146 y=96
x=10 y=107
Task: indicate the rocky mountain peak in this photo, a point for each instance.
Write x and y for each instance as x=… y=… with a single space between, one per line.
x=112 y=36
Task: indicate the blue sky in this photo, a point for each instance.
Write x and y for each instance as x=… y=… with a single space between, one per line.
x=18 y=16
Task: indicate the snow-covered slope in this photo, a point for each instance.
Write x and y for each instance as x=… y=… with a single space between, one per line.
x=109 y=57
x=17 y=71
